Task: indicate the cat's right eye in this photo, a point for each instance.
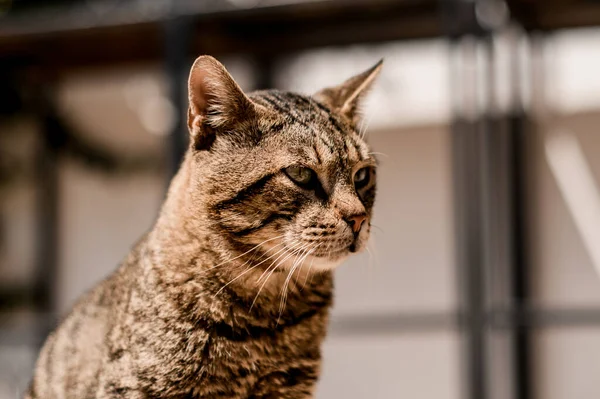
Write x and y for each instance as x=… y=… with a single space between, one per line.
x=300 y=175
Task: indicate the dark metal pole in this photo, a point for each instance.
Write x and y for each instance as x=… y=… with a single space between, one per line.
x=178 y=32
x=46 y=272
x=467 y=158
x=468 y=154
x=520 y=265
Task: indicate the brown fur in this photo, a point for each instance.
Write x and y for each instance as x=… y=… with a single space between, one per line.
x=228 y=295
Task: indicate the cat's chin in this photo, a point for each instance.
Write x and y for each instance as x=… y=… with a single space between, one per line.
x=320 y=263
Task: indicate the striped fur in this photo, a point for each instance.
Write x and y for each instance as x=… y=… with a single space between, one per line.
x=228 y=295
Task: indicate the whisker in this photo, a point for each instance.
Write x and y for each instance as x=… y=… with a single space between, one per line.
x=311 y=251
x=365 y=126
x=245 y=253
x=285 y=285
x=283 y=251
x=378 y=228
x=310 y=267
x=373 y=251
x=292 y=248
x=299 y=259
x=308 y=253
x=236 y=278
x=297 y=264
x=252 y=259
x=294 y=253
x=361 y=128
x=271 y=273
x=245 y=272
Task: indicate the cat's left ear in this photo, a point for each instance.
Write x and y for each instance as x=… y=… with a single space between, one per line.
x=347 y=97
x=217 y=103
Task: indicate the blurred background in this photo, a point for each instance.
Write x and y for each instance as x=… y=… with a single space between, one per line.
x=484 y=277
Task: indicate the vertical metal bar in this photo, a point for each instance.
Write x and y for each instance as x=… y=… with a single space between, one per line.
x=466 y=143
x=476 y=296
x=519 y=263
x=468 y=185
x=487 y=127
x=497 y=219
x=490 y=205
x=46 y=271
x=178 y=32
x=458 y=19
x=519 y=270
x=500 y=342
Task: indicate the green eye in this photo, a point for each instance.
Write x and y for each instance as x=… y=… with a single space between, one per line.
x=362 y=177
x=300 y=175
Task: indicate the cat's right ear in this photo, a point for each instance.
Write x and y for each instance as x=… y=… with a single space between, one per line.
x=216 y=102
x=347 y=97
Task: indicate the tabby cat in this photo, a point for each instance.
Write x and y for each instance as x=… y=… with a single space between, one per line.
x=228 y=295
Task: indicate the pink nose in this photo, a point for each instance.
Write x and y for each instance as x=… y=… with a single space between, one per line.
x=356 y=222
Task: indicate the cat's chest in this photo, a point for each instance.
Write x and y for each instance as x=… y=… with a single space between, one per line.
x=260 y=350
x=235 y=365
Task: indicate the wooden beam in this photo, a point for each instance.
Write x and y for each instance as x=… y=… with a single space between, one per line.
x=262 y=31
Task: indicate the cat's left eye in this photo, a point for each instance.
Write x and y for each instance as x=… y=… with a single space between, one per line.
x=362 y=177
x=300 y=175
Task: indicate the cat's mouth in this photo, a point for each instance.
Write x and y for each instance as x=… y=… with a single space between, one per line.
x=328 y=261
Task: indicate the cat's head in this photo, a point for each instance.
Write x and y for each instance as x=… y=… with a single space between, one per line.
x=285 y=177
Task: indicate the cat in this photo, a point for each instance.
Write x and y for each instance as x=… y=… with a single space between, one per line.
x=228 y=295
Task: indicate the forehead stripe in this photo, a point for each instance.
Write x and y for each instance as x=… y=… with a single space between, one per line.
x=333 y=121
x=280 y=105
x=311 y=103
x=300 y=100
x=325 y=139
